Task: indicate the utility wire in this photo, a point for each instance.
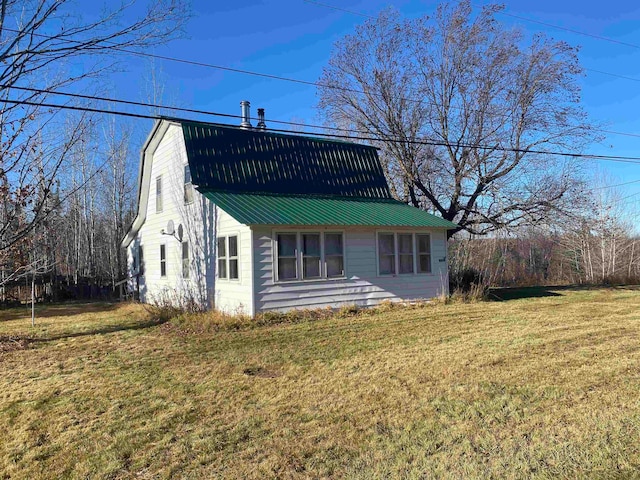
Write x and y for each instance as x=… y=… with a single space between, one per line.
x=616 y=185
x=312 y=2
x=227 y=115
x=180 y=109
x=577 y=32
x=616 y=75
x=625 y=159
x=293 y=80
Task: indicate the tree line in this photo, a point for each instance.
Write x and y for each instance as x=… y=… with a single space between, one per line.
x=471 y=119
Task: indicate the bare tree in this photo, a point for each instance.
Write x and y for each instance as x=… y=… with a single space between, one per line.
x=45 y=45
x=457 y=104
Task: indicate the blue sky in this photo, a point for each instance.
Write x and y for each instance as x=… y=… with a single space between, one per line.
x=293 y=38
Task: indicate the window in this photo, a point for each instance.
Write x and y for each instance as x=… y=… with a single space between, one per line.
x=405 y=252
x=333 y=255
x=222 y=257
x=185 y=259
x=424 y=252
x=233 y=257
x=163 y=260
x=159 y=194
x=228 y=259
x=141 y=260
x=386 y=253
x=309 y=255
x=188 y=186
x=287 y=256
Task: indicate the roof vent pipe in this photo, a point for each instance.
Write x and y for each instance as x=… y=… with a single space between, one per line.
x=245 y=107
x=261 y=125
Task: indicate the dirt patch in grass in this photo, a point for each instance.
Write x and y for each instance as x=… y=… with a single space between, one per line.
x=261 y=372
x=10 y=343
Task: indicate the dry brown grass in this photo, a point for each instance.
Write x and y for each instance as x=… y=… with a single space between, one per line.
x=544 y=387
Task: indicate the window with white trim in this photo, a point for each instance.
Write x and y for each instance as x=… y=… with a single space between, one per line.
x=185 y=259
x=308 y=255
x=404 y=253
x=188 y=186
x=287 y=256
x=334 y=254
x=163 y=260
x=386 y=253
x=222 y=257
x=233 y=257
x=159 y=194
x=311 y=259
x=228 y=258
x=140 y=260
x=423 y=241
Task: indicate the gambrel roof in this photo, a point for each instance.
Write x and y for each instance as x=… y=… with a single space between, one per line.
x=237 y=160
x=264 y=177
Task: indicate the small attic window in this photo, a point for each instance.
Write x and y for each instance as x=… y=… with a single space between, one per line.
x=188 y=186
x=159 y=194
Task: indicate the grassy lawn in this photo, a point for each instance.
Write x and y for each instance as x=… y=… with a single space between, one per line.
x=542 y=387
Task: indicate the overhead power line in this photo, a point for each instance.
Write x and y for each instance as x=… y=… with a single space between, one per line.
x=215 y=114
x=616 y=158
x=177 y=109
x=616 y=185
x=333 y=7
x=577 y=32
x=206 y=112
x=601 y=72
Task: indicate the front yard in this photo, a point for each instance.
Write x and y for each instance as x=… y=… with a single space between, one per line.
x=546 y=387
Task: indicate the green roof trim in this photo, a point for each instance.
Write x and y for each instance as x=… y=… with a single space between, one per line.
x=256 y=209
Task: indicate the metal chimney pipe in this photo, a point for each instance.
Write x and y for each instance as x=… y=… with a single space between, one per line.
x=261 y=124
x=245 y=107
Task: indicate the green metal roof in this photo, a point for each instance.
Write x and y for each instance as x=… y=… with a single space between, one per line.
x=253 y=209
x=233 y=159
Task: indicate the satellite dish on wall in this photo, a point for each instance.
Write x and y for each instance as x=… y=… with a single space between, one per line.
x=180 y=232
x=170 y=228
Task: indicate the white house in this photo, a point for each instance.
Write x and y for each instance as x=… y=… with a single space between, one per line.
x=247 y=220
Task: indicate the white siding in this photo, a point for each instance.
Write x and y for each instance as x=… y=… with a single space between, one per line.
x=168 y=161
x=362 y=285
x=200 y=220
x=236 y=296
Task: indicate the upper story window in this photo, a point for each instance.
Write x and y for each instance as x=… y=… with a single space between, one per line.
x=159 y=194
x=228 y=258
x=308 y=255
x=188 y=186
x=404 y=253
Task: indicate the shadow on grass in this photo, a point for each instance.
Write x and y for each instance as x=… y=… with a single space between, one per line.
x=55 y=310
x=505 y=294
x=102 y=330
x=516 y=293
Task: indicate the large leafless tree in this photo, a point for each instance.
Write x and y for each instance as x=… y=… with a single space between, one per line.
x=457 y=103
x=47 y=45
